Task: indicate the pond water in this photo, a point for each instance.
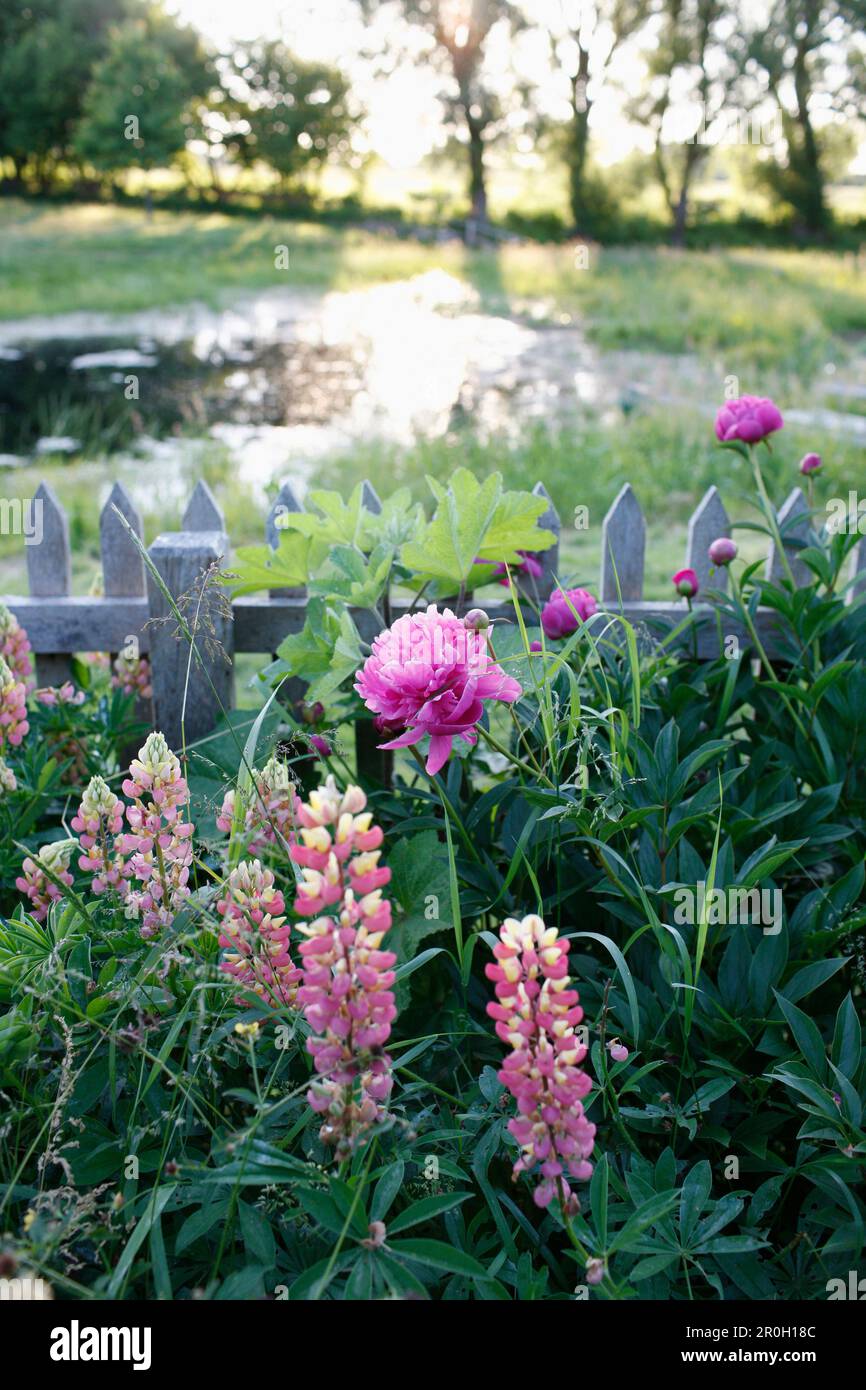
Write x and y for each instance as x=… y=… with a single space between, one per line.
x=284 y=377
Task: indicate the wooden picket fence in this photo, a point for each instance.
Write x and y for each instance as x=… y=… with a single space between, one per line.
x=61 y=624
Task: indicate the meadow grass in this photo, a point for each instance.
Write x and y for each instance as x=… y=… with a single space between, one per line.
x=760 y=311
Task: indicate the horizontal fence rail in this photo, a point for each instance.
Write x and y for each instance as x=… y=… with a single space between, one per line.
x=133 y=604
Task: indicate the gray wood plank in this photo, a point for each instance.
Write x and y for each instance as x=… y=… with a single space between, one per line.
x=122 y=564
x=623 y=543
x=203 y=513
x=542 y=587
x=49 y=572
x=793 y=519
x=707 y=523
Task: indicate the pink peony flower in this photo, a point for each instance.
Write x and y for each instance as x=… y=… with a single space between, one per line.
x=15 y=646
x=346 y=995
x=557 y=616
x=722 y=551
x=430 y=674
x=13 y=708
x=159 y=839
x=810 y=463
x=255 y=935
x=685 y=582
x=35 y=883
x=535 y=1015
x=98 y=826
x=749 y=418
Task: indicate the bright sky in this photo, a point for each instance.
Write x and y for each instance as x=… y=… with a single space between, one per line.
x=403 y=116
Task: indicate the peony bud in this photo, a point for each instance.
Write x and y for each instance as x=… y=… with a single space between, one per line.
x=722 y=551
x=476 y=620
x=810 y=463
x=685 y=582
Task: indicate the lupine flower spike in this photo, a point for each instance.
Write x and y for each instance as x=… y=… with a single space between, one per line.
x=13 y=707
x=158 y=838
x=271 y=810
x=15 y=645
x=35 y=883
x=98 y=825
x=131 y=674
x=536 y=1013
x=346 y=995
x=255 y=935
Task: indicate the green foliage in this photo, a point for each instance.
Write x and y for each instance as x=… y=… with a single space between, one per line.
x=730 y=1141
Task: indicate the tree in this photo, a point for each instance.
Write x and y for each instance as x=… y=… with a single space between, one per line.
x=137 y=107
x=584 y=35
x=807 y=56
x=682 y=71
x=460 y=30
x=297 y=114
x=48 y=50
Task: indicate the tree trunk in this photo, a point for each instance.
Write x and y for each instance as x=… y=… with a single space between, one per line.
x=477 y=172
x=813 y=201
x=580 y=106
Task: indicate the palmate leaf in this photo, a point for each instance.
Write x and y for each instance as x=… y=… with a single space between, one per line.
x=349 y=577
x=475 y=521
x=324 y=652
x=260 y=567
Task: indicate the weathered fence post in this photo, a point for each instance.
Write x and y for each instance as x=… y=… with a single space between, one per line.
x=49 y=571
x=190 y=689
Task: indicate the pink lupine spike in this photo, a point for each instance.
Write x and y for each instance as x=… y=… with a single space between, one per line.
x=15 y=646
x=254 y=935
x=536 y=1017
x=98 y=825
x=13 y=708
x=346 y=993
x=159 y=839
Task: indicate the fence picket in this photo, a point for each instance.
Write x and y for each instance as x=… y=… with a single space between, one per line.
x=623 y=543
x=203 y=512
x=793 y=520
x=708 y=521
x=542 y=587
x=49 y=573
